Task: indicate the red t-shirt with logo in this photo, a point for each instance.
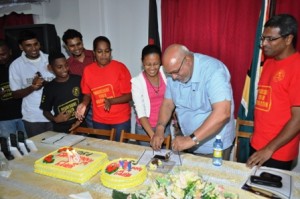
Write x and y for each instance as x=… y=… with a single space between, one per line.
x=278 y=92
x=109 y=81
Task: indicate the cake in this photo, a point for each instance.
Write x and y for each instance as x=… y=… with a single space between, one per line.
x=123 y=173
x=72 y=164
x=154 y=163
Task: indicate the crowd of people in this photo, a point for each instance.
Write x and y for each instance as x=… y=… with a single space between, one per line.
x=41 y=92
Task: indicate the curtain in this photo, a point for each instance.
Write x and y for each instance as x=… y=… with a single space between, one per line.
x=153 y=34
x=222 y=29
x=14 y=19
x=290 y=7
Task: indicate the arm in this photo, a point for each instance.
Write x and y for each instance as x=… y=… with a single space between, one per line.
x=141 y=101
x=221 y=112
x=61 y=117
x=288 y=132
x=125 y=98
x=37 y=83
x=146 y=125
x=165 y=114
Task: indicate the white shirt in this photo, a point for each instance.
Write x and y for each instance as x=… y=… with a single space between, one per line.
x=21 y=74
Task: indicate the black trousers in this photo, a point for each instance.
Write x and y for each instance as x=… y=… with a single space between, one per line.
x=285 y=165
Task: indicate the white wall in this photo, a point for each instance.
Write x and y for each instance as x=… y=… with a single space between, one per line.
x=124 y=22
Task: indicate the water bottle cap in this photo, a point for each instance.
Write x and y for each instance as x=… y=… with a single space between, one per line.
x=218 y=137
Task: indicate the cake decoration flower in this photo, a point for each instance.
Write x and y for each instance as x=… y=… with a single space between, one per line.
x=65 y=149
x=48 y=159
x=112 y=168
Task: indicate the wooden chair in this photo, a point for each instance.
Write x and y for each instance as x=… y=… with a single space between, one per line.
x=145 y=138
x=241 y=134
x=90 y=131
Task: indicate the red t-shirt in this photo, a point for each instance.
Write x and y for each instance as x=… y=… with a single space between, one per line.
x=110 y=81
x=77 y=67
x=278 y=92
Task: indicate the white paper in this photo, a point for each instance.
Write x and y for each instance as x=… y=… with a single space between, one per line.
x=83 y=195
x=283 y=192
x=149 y=154
x=63 y=139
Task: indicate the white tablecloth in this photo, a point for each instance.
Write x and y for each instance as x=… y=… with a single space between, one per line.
x=24 y=183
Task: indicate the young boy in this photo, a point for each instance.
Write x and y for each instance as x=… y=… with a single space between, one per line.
x=62 y=95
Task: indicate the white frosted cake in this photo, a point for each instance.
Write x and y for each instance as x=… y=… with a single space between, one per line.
x=72 y=164
x=123 y=173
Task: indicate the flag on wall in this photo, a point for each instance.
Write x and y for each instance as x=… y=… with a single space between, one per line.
x=153 y=34
x=246 y=109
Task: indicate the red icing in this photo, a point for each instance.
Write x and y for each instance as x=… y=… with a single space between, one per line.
x=123 y=173
x=84 y=160
x=136 y=168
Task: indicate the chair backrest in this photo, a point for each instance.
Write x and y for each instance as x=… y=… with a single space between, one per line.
x=241 y=134
x=131 y=136
x=90 y=131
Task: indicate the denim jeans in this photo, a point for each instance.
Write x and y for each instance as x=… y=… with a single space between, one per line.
x=89 y=118
x=119 y=127
x=11 y=126
x=140 y=130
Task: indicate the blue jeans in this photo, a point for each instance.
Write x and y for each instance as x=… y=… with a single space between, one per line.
x=140 y=130
x=11 y=126
x=89 y=118
x=119 y=127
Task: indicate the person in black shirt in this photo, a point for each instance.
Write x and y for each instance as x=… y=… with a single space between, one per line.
x=62 y=95
x=10 y=108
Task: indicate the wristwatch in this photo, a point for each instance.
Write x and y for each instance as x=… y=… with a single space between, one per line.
x=194 y=138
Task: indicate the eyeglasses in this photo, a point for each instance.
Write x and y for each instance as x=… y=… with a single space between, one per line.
x=270 y=39
x=178 y=70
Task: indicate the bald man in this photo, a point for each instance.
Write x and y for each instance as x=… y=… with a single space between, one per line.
x=199 y=90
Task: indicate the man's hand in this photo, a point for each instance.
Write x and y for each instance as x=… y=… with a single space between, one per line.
x=62 y=117
x=181 y=143
x=156 y=141
x=80 y=111
x=37 y=82
x=259 y=157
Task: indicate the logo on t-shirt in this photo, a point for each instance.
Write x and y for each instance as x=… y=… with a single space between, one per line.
x=263 y=101
x=6 y=90
x=102 y=92
x=69 y=107
x=76 y=91
x=279 y=75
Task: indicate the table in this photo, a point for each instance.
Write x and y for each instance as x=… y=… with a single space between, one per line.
x=24 y=183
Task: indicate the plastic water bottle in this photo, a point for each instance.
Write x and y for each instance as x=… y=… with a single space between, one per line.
x=218 y=151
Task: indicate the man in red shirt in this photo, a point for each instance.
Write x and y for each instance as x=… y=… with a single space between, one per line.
x=79 y=59
x=276 y=136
